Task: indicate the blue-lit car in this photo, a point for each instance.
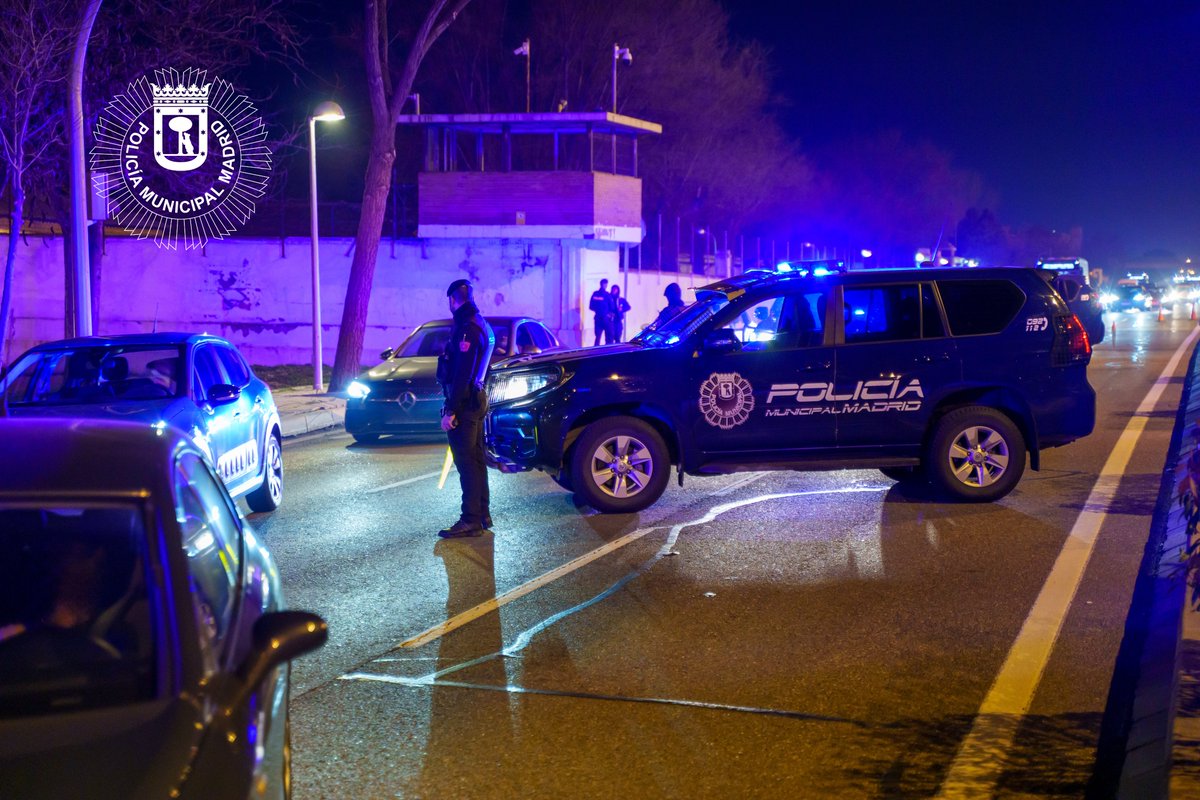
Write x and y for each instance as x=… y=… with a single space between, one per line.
x=952 y=376
x=143 y=638
x=195 y=382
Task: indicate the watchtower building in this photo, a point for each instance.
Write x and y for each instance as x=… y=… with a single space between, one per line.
x=568 y=178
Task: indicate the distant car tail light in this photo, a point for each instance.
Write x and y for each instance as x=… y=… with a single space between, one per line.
x=1071 y=342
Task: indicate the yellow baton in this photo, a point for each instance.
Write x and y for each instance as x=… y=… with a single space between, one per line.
x=445 y=469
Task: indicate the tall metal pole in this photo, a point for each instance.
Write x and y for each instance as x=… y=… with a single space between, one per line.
x=79 y=189
x=318 y=381
x=528 y=91
x=616 y=52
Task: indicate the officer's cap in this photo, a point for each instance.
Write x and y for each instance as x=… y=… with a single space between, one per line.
x=458 y=284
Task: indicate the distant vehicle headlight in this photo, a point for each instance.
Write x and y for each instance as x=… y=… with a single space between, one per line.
x=1141 y=297
x=1108 y=298
x=358 y=390
x=504 y=386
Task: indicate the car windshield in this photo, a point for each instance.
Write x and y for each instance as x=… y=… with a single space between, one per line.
x=76 y=629
x=428 y=341
x=678 y=327
x=86 y=375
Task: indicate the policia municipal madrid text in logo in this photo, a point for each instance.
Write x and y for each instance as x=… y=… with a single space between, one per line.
x=726 y=400
x=180 y=158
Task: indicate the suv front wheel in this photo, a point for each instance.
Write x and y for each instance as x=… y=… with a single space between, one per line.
x=977 y=454
x=620 y=465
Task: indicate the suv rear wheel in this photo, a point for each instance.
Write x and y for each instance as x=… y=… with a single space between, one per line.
x=977 y=454
x=620 y=465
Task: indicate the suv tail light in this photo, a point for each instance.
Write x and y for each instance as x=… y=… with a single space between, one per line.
x=1071 y=343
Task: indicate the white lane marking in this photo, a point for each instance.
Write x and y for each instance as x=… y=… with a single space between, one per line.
x=981 y=756
x=494 y=603
x=404 y=482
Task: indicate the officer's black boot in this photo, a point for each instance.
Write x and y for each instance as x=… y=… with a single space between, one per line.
x=461 y=529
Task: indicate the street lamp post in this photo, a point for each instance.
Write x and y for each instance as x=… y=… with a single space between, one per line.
x=325 y=112
x=619 y=54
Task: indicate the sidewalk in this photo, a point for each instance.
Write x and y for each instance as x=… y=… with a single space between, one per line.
x=302 y=411
x=1151 y=730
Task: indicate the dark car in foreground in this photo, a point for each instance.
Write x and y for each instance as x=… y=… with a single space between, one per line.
x=143 y=641
x=948 y=375
x=197 y=383
x=401 y=396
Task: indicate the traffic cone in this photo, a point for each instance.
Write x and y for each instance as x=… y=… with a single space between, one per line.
x=1192 y=316
x=1114 y=333
x=1160 y=313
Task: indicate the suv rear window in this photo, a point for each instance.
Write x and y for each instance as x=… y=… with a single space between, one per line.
x=978 y=307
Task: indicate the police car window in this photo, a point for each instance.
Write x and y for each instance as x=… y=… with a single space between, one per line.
x=976 y=307
x=17 y=380
x=78 y=576
x=207 y=373
x=524 y=336
x=212 y=543
x=235 y=367
x=778 y=323
x=882 y=313
x=931 y=316
x=427 y=342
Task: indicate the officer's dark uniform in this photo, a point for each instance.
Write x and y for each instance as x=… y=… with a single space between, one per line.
x=601 y=305
x=462 y=369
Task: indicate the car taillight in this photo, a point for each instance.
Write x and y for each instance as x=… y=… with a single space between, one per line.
x=1071 y=342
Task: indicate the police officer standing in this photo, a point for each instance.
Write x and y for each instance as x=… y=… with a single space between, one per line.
x=462 y=369
x=601 y=305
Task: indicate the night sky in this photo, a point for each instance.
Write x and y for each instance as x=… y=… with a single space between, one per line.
x=1075 y=113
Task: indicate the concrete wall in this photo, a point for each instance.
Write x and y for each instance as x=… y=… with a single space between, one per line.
x=257 y=293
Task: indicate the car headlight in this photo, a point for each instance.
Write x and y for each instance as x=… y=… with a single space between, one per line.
x=504 y=386
x=1108 y=298
x=358 y=390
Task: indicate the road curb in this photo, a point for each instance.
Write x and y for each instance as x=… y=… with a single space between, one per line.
x=1134 y=754
x=292 y=425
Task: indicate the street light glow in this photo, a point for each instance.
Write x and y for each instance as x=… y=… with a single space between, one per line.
x=328 y=111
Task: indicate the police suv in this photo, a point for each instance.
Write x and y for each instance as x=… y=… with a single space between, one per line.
x=948 y=375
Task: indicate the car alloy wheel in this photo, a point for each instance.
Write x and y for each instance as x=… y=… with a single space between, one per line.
x=622 y=466
x=979 y=456
x=269 y=495
x=619 y=465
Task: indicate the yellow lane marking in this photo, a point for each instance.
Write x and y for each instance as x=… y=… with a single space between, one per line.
x=982 y=754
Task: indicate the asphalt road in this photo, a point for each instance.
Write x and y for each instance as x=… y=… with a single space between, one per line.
x=756 y=635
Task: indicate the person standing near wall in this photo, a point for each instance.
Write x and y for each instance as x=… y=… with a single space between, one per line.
x=462 y=370
x=620 y=307
x=601 y=307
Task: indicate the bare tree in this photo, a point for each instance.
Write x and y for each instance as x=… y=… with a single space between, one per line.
x=33 y=67
x=387 y=95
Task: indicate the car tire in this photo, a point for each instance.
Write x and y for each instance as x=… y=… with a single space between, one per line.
x=269 y=494
x=903 y=474
x=977 y=454
x=366 y=438
x=620 y=465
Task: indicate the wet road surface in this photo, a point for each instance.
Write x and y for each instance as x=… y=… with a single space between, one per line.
x=751 y=635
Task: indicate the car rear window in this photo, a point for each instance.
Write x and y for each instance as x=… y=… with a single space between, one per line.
x=76 y=621
x=101 y=374
x=976 y=307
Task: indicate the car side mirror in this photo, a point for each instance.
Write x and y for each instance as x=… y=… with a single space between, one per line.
x=722 y=340
x=386 y=354
x=278 y=638
x=223 y=393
